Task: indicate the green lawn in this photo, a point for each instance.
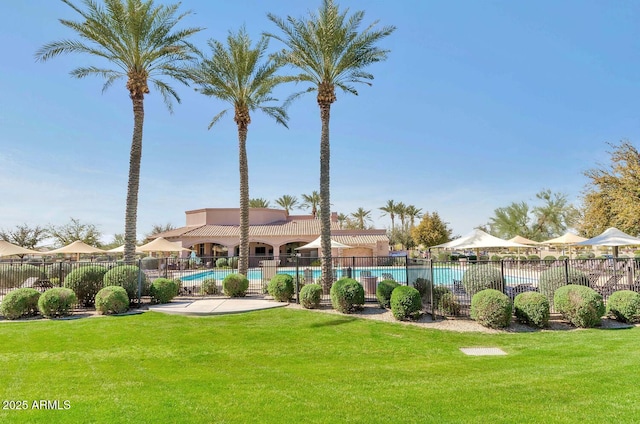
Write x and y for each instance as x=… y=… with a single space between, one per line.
x=289 y=366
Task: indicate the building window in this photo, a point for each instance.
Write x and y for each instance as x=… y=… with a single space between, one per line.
x=201 y=249
x=261 y=250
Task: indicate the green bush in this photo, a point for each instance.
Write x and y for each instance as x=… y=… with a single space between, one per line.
x=235 y=285
x=445 y=301
x=423 y=285
x=624 y=305
x=85 y=282
x=15 y=275
x=58 y=270
x=232 y=263
x=491 y=308
x=549 y=258
x=553 y=278
x=383 y=292
x=163 y=290
x=533 y=258
x=310 y=296
x=562 y=257
x=281 y=287
x=112 y=300
x=209 y=286
x=221 y=263
x=495 y=258
x=347 y=295
x=580 y=305
x=532 y=308
x=406 y=303
x=480 y=277
x=57 y=302
x=126 y=276
x=149 y=262
x=19 y=303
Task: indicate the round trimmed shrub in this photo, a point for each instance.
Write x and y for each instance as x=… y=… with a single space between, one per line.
x=19 y=303
x=406 y=303
x=580 y=305
x=532 y=308
x=347 y=295
x=221 y=263
x=310 y=296
x=112 y=300
x=235 y=285
x=481 y=277
x=549 y=258
x=58 y=270
x=383 y=292
x=209 y=286
x=16 y=275
x=163 y=290
x=57 y=302
x=126 y=276
x=232 y=263
x=149 y=262
x=281 y=287
x=624 y=306
x=491 y=308
x=85 y=282
x=495 y=258
x=553 y=278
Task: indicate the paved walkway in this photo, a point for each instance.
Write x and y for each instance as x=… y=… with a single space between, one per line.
x=216 y=306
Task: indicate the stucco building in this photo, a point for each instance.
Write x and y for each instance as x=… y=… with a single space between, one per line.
x=215 y=232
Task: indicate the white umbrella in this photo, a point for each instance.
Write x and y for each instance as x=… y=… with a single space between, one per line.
x=78 y=247
x=478 y=239
x=9 y=249
x=317 y=244
x=523 y=240
x=611 y=237
x=564 y=240
x=120 y=249
x=162 y=245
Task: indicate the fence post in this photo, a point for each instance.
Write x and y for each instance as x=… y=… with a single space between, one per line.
x=504 y=280
x=433 y=310
x=297 y=279
x=406 y=270
x=566 y=271
x=139 y=281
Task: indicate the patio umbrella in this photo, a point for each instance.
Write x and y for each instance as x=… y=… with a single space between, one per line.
x=611 y=237
x=565 y=240
x=120 y=249
x=78 y=247
x=316 y=244
x=523 y=240
x=478 y=239
x=9 y=249
x=162 y=245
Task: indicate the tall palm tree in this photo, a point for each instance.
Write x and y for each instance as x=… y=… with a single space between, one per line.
x=329 y=52
x=390 y=209
x=412 y=213
x=287 y=202
x=362 y=216
x=138 y=40
x=342 y=219
x=311 y=201
x=401 y=211
x=238 y=75
x=258 y=202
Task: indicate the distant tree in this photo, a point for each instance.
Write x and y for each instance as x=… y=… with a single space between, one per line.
x=431 y=231
x=158 y=229
x=25 y=236
x=287 y=202
x=138 y=42
x=76 y=230
x=390 y=209
x=116 y=241
x=361 y=216
x=258 y=202
x=311 y=201
x=511 y=221
x=342 y=220
x=413 y=213
x=401 y=212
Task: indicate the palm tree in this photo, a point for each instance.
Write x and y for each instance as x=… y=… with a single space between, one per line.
x=138 y=40
x=362 y=216
x=287 y=202
x=412 y=213
x=401 y=211
x=258 y=203
x=342 y=219
x=236 y=74
x=311 y=201
x=329 y=52
x=390 y=209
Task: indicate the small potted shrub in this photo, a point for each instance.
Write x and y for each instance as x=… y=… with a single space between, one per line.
x=491 y=308
x=112 y=300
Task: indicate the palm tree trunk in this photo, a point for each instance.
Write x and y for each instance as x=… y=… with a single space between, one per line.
x=243 y=261
x=135 y=156
x=325 y=204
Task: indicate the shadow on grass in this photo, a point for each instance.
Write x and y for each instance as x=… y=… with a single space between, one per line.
x=333 y=322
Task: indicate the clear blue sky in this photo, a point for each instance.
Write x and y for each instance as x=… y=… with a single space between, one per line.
x=480 y=104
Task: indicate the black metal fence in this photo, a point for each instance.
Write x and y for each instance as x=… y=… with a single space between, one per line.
x=447 y=286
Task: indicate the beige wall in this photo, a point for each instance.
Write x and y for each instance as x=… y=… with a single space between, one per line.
x=231 y=216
